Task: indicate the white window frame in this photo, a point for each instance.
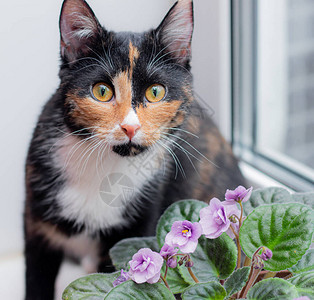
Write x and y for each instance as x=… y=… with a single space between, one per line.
x=244 y=91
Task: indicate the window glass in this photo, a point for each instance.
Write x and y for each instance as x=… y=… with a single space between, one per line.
x=273 y=87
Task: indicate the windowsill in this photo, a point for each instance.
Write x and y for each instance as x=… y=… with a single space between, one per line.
x=258 y=179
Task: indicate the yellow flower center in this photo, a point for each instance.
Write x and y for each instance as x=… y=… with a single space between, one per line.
x=185 y=231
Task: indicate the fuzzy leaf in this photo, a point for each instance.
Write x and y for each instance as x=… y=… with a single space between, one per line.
x=209 y=290
x=306 y=264
x=236 y=281
x=175 y=280
x=266 y=196
x=305 y=198
x=129 y=290
x=123 y=251
x=273 y=195
x=286 y=229
x=91 y=287
x=272 y=289
x=213 y=259
x=304 y=284
x=179 y=211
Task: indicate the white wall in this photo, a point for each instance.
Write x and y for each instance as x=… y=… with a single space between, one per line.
x=29 y=47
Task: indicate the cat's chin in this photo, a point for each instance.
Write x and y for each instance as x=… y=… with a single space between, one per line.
x=129 y=149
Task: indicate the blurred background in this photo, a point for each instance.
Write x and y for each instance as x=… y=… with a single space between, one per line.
x=253 y=66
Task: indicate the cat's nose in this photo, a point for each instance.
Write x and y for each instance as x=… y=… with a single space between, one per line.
x=130 y=130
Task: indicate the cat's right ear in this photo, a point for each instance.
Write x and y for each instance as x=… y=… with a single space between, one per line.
x=78 y=28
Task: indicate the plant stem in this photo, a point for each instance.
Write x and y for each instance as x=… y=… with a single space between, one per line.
x=252 y=277
x=192 y=275
x=165 y=282
x=241 y=216
x=238 y=246
x=166 y=271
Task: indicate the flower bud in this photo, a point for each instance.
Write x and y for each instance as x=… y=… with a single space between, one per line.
x=266 y=254
x=181 y=261
x=172 y=262
x=258 y=263
x=189 y=264
x=233 y=219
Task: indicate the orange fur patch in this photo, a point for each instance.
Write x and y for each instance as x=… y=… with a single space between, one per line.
x=155 y=117
x=133 y=55
x=123 y=88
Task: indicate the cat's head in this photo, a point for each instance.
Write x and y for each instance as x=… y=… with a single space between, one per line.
x=127 y=89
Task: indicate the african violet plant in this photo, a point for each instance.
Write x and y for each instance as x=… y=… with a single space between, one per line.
x=194 y=255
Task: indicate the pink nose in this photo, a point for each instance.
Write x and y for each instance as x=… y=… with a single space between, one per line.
x=130 y=130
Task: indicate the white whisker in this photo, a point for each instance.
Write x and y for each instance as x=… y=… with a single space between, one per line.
x=202 y=155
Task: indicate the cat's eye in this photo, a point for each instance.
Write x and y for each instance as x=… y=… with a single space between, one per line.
x=155 y=93
x=102 y=92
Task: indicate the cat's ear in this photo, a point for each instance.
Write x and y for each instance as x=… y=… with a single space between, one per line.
x=176 y=29
x=78 y=28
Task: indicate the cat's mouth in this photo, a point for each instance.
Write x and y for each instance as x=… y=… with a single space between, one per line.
x=129 y=149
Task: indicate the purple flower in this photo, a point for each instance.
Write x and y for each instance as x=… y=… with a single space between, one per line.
x=122 y=278
x=184 y=235
x=145 y=266
x=302 y=298
x=239 y=194
x=168 y=252
x=266 y=254
x=214 y=219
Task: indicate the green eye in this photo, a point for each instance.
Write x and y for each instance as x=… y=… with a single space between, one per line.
x=102 y=92
x=155 y=93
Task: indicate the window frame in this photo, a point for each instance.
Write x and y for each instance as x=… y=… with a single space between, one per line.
x=244 y=105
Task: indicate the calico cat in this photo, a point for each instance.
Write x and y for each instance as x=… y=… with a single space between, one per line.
x=119 y=141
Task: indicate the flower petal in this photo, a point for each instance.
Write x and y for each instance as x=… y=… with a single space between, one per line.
x=189 y=247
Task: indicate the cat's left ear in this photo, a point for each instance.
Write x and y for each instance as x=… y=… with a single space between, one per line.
x=176 y=29
x=79 y=27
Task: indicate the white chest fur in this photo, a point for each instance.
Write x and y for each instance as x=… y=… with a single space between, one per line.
x=99 y=183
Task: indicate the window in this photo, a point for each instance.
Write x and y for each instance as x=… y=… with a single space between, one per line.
x=273 y=88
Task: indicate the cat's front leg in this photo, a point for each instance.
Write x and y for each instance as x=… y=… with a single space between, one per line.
x=42 y=266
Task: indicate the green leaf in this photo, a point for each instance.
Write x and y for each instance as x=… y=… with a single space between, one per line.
x=306 y=264
x=179 y=211
x=124 y=250
x=236 y=281
x=286 y=229
x=175 y=280
x=213 y=259
x=91 y=287
x=266 y=196
x=304 y=284
x=130 y=290
x=271 y=289
x=273 y=195
x=305 y=198
x=210 y=290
